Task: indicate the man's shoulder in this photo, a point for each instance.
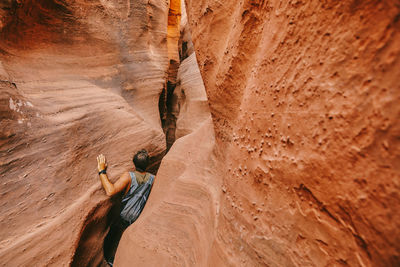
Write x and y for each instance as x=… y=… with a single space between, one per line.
x=126 y=174
x=151 y=175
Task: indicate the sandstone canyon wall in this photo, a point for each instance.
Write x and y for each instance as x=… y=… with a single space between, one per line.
x=304 y=97
x=78 y=78
x=177 y=226
x=304 y=166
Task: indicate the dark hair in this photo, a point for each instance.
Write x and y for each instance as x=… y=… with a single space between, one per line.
x=141 y=160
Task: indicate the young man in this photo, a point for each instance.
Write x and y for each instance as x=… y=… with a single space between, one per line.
x=136 y=187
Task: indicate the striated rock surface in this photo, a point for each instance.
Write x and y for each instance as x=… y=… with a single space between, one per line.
x=304 y=98
x=78 y=78
x=191 y=100
x=177 y=226
x=304 y=166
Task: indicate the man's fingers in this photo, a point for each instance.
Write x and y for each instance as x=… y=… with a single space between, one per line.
x=101 y=159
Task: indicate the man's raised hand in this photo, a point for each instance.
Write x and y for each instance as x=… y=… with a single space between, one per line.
x=101 y=162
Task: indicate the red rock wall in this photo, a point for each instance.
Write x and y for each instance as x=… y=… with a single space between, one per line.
x=303 y=96
x=177 y=226
x=78 y=78
x=305 y=102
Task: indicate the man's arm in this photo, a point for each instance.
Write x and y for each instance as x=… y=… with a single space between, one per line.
x=112 y=189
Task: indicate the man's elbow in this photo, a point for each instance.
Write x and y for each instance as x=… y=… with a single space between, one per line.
x=110 y=193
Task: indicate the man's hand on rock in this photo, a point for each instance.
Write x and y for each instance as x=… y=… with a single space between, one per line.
x=101 y=162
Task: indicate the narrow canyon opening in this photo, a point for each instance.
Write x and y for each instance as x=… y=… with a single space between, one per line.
x=169 y=103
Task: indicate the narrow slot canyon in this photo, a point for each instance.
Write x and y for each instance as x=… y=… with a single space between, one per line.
x=272 y=127
x=168 y=102
x=169 y=105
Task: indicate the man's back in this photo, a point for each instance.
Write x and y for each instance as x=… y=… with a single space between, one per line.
x=135 y=199
x=136 y=187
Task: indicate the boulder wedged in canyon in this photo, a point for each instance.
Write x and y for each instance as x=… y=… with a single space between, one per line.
x=76 y=80
x=304 y=97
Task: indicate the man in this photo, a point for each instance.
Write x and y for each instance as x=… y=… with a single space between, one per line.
x=136 y=187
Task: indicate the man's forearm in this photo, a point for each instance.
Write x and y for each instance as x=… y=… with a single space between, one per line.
x=108 y=186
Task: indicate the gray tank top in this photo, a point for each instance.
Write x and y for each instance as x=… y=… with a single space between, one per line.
x=135 y=200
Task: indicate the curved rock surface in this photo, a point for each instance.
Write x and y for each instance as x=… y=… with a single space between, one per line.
x=177 y=226
x=78 y=78
x=304 y=97
x=191 y=100
x=304 y=166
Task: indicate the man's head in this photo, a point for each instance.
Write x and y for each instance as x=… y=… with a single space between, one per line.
x=141 y=160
